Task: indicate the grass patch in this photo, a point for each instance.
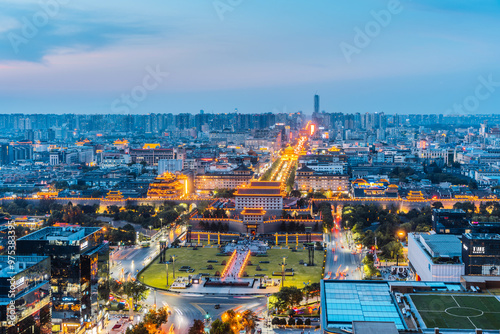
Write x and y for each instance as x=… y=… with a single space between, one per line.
x=155 y=274
x=301 y=273
x=464 y=311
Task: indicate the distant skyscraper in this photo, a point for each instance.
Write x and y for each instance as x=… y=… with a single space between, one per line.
x=316 y=103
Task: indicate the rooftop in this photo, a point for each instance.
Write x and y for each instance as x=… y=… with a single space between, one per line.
x=248 y=211
x=482 y=236
x=69 y=233
x=372 y=327
x=440 y=245
x=346 y=301
x=21 y=264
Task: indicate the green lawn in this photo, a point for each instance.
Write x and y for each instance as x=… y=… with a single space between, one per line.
x=458 y=311
x=301 y=273
x=155 y=274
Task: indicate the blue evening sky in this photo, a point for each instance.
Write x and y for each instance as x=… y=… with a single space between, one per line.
x=68 y=56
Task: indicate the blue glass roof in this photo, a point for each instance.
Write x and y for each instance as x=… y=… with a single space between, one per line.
x=363 y=301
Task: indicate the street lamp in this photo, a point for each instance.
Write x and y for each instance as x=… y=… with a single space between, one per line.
x=173 y=263
x=283 y=264
x=401 y=235
x=166 y=263
x=161 y=224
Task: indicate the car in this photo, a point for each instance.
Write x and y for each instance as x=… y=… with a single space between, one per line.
x=217 y=306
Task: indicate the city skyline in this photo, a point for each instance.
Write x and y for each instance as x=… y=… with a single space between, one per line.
x=420 y=58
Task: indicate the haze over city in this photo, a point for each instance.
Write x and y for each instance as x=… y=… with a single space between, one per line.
x=256 y=56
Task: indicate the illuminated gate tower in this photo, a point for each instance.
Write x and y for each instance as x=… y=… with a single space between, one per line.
x=259 y=201
x=168 y=185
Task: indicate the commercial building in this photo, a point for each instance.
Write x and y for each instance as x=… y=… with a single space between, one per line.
x=481 y=254
x=170 y=165
x=450 y=221
x=307 y=178
x=26 y=308
x=435 y=257
x=361 y=188
x=223 y=179
x=151 y=156
x=79 y=269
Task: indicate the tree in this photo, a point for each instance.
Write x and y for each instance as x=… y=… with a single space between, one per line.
x=248 y=320
x=288 y=296
x=437 y=205
x=140 y=328
x=295 y=193
x=96 y=194
x=156 y=318
x=220 y=327
x=468 y=207
x=197 y=328
x=135 y=290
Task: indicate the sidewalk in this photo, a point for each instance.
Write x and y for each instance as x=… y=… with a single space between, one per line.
x=200 y=289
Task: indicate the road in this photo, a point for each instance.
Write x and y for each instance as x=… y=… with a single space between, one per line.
x=185 y=308
x=128 y=261
x=339 y=257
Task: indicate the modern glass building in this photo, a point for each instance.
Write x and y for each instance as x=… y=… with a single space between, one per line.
x=79 y=273
x=481 y=253
x=25 y=300
x=343 y=302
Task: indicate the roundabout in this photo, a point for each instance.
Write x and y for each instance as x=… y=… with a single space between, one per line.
x=464 y=312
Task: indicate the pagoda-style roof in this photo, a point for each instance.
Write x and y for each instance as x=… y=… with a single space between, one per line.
x=167 y=185
x=259 y=212
x=261 y=188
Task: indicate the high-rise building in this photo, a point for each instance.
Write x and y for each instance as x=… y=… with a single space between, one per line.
x=79 y=273
x=26 y=309
x=316 y=103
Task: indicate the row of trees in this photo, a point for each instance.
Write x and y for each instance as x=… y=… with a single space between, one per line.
x=290 y=181
x=125 y=234
x=230 y=322
x=288 y=297
x=368 y=222
x=132 y=289
x=217 y=213
x=151 y=323
x=269 y=172
x=223 y=193
x=148 y=215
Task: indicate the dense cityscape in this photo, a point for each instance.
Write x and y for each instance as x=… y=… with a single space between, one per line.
x=249 y=167
x=233 y=222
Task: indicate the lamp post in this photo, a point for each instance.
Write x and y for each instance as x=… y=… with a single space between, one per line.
x=173 y=263
x=166 y=263
x=283 y=264
x=401 y=235
x=161 y=224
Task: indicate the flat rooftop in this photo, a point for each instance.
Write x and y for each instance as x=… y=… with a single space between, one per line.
x=67 y=233
x=482 y=236
x=370 y=327
x=20 y=264
x=346 y=301
x=440 y=245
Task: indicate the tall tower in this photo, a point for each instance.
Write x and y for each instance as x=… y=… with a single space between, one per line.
x=316 y=103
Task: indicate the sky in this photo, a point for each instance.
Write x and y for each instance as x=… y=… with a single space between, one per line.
x=175 y=56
